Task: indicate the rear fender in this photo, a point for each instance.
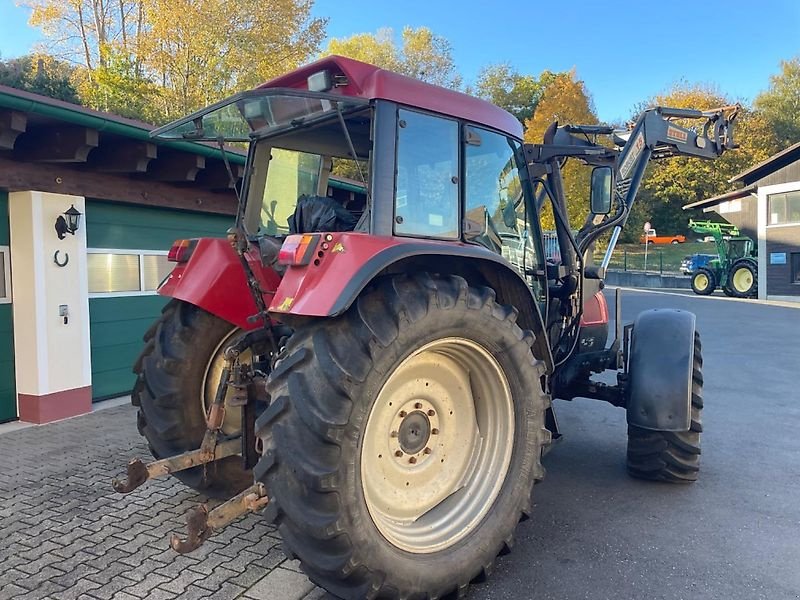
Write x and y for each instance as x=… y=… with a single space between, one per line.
x=345 y=263
x=660 y=368
x=214 y=280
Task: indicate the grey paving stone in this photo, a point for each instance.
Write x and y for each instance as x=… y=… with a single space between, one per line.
x=67 y=535
x=281 y=584
x=12 y=591
x=142 y=589
x=212 y=581
x=81 y=587
x=184 y=580
x=227 y=591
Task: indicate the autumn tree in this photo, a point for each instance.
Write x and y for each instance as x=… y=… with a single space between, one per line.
x=422 y=54
x=505 y=87
x=158 y=59
x=780 y=104
x=670 y=183
x=566 y=100
x=199 y=51
x=79 y=30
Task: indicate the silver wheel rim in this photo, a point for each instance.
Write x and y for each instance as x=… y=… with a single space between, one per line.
x=232 y=423
x=437 y=445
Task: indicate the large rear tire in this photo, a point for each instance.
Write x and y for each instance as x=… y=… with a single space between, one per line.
x=403 y=439
x=742 y=279
x=672 y=456
x=177 y=374
x=703 y=282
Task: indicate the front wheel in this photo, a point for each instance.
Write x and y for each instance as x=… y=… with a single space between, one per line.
x=703 y=282
x=403 y=440
x=671 y=456
x=742 y=279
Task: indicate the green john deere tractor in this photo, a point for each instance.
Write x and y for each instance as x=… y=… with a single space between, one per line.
x=735 y=270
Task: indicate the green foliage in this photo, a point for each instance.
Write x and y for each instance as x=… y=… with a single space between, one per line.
x=40 y=74
x=116 y=87
x=422 y=54
x=519 y=94
x=780 y=104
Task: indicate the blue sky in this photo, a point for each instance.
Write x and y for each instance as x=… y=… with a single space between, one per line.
x=625 y=51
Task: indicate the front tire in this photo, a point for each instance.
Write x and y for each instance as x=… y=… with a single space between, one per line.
x=703 y=282
x=671 y=456
x=403 y=440
x=742 y=279
x=177 y=374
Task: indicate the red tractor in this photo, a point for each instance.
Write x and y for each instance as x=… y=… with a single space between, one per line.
x=379 y=373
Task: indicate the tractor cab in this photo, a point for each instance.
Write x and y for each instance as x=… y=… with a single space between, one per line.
x=428 y=178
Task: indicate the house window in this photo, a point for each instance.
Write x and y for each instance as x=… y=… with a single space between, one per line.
x=126 y=272
x=784 y=208
x=5 y=275
x=795 y=260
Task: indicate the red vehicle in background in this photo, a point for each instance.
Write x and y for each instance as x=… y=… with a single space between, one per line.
x=653 y=238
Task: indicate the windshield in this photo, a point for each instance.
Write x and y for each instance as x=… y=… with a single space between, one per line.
x=258 y=111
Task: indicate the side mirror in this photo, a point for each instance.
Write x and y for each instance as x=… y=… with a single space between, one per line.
x=602 y=189
x=510 y=216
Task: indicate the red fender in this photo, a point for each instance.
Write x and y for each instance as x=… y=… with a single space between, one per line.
x=214 y=280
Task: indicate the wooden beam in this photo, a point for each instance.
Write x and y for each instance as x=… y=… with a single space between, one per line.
x=67 y=179
x=57 y=144
x=12 y=123
x=215 y=176
x=176 y=167
x=122 y=156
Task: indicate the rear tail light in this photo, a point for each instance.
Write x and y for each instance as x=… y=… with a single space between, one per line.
x=181 y=250
x=298 y=250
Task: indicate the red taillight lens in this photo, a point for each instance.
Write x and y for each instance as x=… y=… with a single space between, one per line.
x=181 y=250
x=298 y=250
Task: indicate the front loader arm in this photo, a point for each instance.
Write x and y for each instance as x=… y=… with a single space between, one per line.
x=656 y=134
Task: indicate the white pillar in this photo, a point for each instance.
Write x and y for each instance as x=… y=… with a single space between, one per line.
x=52 y=359
x=761 y=220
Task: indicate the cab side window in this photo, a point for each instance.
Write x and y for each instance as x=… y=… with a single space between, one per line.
x=426 y=197
x=494 y=207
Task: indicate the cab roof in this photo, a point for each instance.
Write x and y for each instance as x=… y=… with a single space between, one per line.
x=372 y=83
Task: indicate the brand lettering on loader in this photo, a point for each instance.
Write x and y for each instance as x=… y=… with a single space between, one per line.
x=630 y=160
x=679 y=135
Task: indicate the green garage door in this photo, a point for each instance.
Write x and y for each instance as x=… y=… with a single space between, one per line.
x=8 y=399
x=127 y=259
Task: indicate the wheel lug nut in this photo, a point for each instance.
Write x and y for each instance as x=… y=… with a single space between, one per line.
x=427 y=451
x=403 y=413
x=398 y=453
x=431 y=412
x=393 y=434
x=418 y=405
x=434 y=431
x=412 y=460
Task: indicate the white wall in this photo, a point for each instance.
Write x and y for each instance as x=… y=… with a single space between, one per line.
x=50 y=356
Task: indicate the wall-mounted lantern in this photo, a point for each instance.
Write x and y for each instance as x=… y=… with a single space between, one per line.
x=70 y=224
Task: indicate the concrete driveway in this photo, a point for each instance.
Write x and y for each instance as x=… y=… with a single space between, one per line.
x=596 y=533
